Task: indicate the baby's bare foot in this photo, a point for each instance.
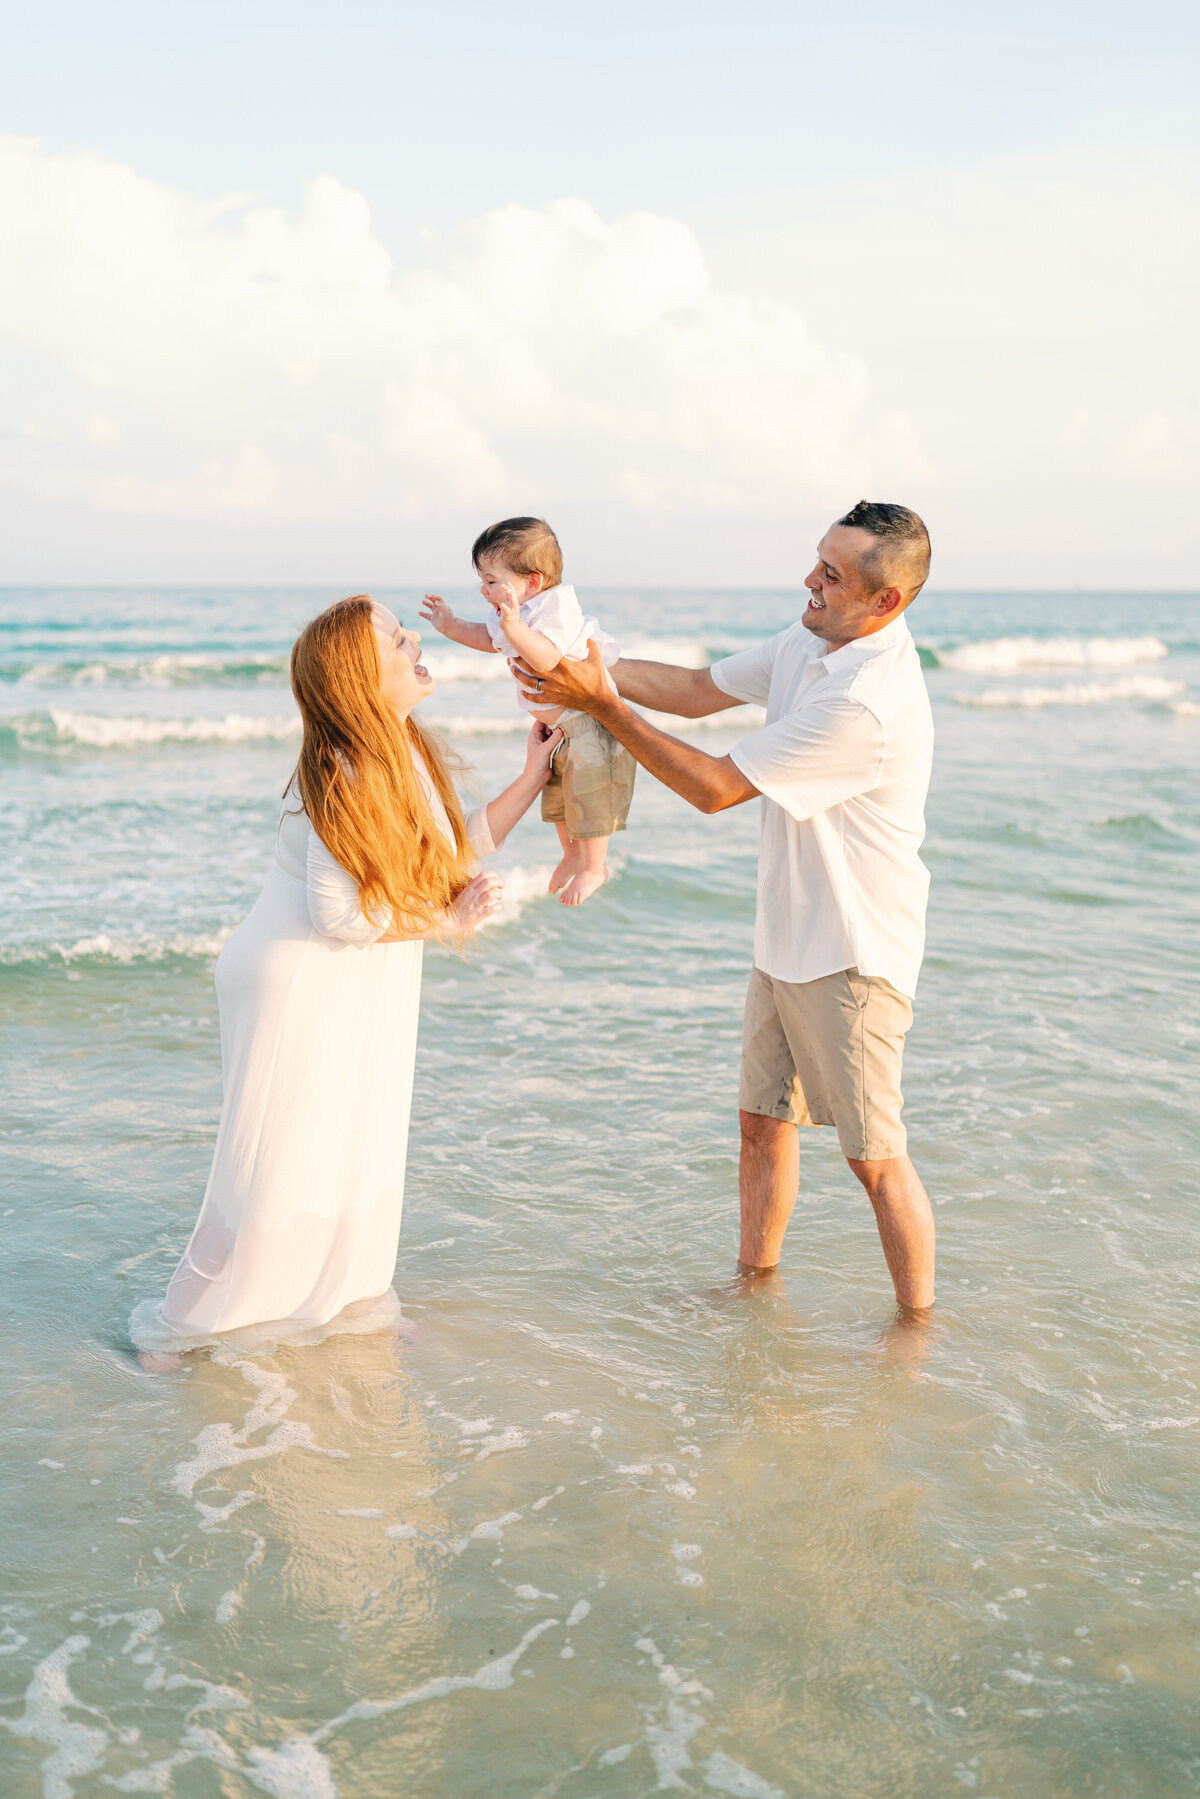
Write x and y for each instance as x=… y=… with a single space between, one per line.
x=567 y=868
x=582 y=885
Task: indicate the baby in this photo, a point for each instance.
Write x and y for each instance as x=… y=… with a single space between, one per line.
x=535 y=617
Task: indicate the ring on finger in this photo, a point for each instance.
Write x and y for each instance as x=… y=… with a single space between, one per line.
x=538 y=684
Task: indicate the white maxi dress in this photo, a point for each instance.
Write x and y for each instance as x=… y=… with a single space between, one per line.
x=301 y=1216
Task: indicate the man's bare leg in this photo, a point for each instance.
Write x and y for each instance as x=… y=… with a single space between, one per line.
x=905 y=1220
x=769 y=1176
x=569 y=866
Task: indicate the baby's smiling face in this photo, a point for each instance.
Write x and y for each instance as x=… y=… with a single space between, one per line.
x=496 y=576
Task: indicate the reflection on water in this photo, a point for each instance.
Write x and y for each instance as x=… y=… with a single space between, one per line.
x=609 y=1521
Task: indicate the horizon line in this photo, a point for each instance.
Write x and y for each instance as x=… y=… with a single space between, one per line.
x=1094 y=593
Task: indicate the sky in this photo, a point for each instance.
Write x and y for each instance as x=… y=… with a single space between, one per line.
x=305 y=294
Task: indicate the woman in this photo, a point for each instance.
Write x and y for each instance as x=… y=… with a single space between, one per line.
x=319 y=990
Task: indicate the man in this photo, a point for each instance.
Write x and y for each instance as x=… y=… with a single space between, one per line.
x=842 y=767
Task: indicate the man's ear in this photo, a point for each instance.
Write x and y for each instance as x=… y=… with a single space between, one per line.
x=890 y=601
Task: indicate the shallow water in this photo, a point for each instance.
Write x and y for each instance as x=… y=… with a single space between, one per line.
x=599 y=1526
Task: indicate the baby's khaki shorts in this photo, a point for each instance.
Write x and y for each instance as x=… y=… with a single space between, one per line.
x=828 y=1052
x=591 y=779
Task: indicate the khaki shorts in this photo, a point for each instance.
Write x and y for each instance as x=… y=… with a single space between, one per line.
x=828 y=1052
x=591 y=779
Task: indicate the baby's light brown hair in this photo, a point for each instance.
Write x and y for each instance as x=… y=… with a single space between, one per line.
x=525 y=545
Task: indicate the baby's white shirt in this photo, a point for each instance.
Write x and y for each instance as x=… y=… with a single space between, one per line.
x=556 y=614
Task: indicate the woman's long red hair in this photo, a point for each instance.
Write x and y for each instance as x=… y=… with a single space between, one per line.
x=358 y=782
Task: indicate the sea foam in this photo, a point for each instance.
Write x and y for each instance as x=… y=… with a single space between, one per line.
x=201 y=945
x=449 y=663
x=508 y=723
x=193 y=669
x=1075 y=693
x=521 y=886
x=60 y=728
x=100 y=730
x=76 y=1749
x=1005 y=655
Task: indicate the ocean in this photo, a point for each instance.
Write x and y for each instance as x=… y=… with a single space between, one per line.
x=599 y=1525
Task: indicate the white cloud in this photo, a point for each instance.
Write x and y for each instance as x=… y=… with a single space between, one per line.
x=1033 y=317
x=280 y=383
x=199 y=388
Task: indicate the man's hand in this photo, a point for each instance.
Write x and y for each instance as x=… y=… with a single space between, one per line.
x=710 y=783
x=583 y=686
x=437 y=612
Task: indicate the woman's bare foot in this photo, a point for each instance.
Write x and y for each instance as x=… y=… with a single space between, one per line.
x=159 y=1361
x=582 y=885
x=406 y=1330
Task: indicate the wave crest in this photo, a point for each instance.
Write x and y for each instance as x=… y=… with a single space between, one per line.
x=198 y=669
x=1005 y=655
x=102 y=949
x=57 y=728
x=249 y=668
x=506 y=724
x=61 y=728
x=1075 y=693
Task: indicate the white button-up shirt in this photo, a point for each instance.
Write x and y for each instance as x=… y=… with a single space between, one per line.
x=557 y=614
x=843 y=765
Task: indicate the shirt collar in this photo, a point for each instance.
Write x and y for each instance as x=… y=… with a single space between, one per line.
x=863 y=647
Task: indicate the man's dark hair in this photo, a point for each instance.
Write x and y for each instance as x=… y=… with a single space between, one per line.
x=900 y=555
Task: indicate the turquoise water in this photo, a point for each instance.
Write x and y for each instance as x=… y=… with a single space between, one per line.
x=598 y=1526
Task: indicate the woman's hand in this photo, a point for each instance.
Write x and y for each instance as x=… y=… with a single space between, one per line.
x=510 y=806
x=477 y=902
x=437 y=612
x=540 y=746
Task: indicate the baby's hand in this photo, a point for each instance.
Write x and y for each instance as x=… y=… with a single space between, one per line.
x=507 y=606
x=437 y=612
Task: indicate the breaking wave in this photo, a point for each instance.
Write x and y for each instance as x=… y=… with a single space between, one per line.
x=523 y=884
x=1005 y=655
x=449 y=664
x=507 y=724
x=57 y=728
x=103 y=949
x=1075 y=693
x=168 y=670
x=249 y=668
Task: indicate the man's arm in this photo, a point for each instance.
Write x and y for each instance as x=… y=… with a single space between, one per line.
x=710 y=783
x=687 y=692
